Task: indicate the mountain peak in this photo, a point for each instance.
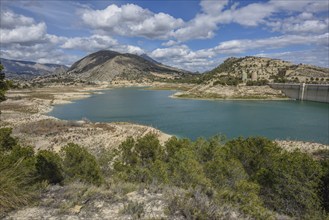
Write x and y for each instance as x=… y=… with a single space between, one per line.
x=106 y=65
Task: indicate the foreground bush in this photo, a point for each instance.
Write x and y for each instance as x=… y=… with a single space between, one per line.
x=79 y=164
x=252 y=175
x=289 y=181
x=49 y=167
x=211 y=179
x=7 y=142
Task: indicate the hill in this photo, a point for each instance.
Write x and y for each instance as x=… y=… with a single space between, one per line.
x=273 y=70
x=18 y=69
x=247 y=78
x=109 y=66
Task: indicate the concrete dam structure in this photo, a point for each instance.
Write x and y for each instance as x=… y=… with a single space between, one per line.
x=308 y=92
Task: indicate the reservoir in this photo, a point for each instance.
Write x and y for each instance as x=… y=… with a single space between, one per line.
x=289 y=119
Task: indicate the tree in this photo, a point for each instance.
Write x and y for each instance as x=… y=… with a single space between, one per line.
x=3 y=85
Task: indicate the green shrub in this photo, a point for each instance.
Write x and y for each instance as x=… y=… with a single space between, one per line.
x=289 y=180
x=79 y=164
x=173 y=145
x=294 y=190
x=138 y=161
x=49 y=167
x=185 y=170
x=205 y=149
x=6 y=141
x=245 y=197
x=324 y=187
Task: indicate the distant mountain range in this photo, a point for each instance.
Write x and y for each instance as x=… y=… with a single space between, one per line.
x=27 y=69
x=106 y=65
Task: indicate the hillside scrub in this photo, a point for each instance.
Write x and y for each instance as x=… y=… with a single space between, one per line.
x=208 y=179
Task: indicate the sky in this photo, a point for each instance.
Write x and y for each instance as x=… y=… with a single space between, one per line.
x=188 y=34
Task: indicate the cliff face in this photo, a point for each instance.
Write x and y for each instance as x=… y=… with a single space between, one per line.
x=259 y=68
x=109 y=65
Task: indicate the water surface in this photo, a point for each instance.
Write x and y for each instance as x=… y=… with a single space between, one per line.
x=293 y=120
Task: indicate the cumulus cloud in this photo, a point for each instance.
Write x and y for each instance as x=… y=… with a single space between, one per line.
x=304 y=23
x=22 y=38
x=20 y=29
x=11 y=20
x=131 y=20
x=95 y=42
x=99 y=42
x=43 y=53
x=181 y=56
x=216 y=13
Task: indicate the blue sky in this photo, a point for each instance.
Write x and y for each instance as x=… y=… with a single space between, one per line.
x=189 y=34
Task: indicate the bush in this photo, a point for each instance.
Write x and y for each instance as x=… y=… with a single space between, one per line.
x=289 y=180
x=79 y=164
x=138 y=161
x=49 y=167
x=6 y=141
x=185 y=170
x=324 y=187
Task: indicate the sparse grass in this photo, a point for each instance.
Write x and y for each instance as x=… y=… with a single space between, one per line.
x=18 y=107
x=46 y=127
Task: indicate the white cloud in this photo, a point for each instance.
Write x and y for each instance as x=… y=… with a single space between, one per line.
x=252 y=14
x=20 y=29
x=170 y=43
x=240 y=46
x=213 y=6
x=304 y=23
x=181 y=56
x=317 y=57
x=24 y=34
x=11 y=20
x=128 y=49
x=214 y=14
x=131 y=20
x=99 y=42
x=95 y=42
x=43 y=53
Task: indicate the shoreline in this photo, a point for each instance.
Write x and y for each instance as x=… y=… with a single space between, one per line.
x=230 y=99
x=34 y=127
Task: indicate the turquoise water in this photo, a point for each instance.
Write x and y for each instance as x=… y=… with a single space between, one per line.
x=292 y=120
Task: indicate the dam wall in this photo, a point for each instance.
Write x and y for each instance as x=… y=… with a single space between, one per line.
x=308 y=92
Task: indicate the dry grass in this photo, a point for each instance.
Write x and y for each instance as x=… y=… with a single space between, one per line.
x=46 y=127
x=15 y=191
